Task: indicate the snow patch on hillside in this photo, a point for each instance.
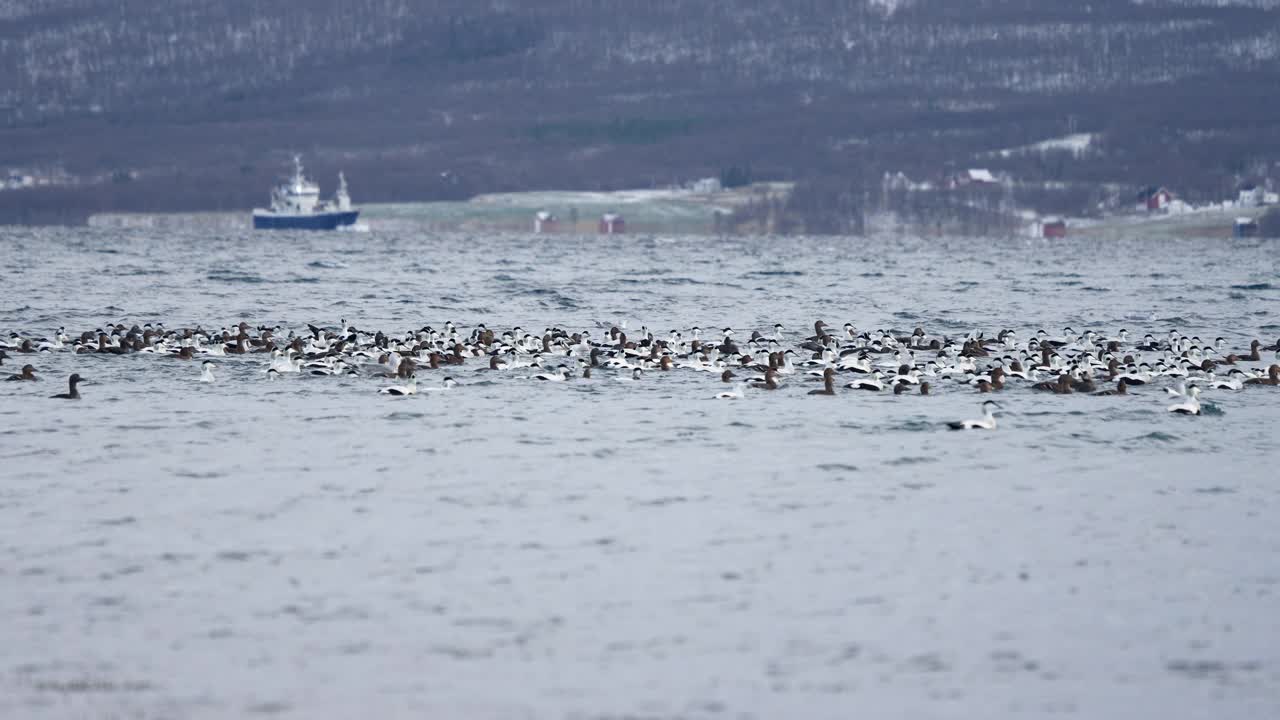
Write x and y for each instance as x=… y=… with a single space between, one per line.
x=1078 y=144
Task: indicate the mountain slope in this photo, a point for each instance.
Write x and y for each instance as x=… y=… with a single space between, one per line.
x=195 y=105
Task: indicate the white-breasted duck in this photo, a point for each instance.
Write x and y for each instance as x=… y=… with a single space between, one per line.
x=561 y=374
x=869 y=384
x=409 y=388
x=1190 y=405
x=986 y=422
x=737 y=393
x=445 y=385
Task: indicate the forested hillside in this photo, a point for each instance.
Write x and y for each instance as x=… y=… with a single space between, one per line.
x=190 y=104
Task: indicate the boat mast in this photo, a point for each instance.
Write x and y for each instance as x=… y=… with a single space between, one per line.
x=342 y=197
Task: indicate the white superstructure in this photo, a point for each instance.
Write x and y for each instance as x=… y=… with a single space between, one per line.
x=296 y=204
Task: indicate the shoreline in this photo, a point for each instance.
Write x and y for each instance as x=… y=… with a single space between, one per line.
x=664 y=211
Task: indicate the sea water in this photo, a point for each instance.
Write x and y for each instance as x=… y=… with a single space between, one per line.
x=595 y=549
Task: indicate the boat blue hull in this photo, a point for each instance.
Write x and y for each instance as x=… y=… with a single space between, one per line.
x=319 y=221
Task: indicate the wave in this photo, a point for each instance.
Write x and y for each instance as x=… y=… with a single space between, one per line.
x=231 y=276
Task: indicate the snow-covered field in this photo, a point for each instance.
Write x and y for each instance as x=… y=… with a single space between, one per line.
x=1077 y=143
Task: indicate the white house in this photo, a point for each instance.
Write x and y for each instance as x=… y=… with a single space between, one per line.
x=706 y=186
x=1252 y=196
x=17 y=181
x=544 y=222
x=980 y=176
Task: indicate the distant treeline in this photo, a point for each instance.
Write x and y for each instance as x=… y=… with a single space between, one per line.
x=204 y=102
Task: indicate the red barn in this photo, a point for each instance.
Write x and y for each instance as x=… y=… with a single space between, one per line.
x=1054 y=227
x=612 y=224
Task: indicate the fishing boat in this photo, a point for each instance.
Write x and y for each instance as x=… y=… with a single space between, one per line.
x=296 y=205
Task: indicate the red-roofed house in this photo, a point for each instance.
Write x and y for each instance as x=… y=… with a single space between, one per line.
x=1054 y=227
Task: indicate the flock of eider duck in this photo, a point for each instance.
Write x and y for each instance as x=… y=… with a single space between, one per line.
x=848 y=360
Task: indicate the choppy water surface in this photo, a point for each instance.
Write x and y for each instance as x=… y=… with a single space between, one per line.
x=310 y=549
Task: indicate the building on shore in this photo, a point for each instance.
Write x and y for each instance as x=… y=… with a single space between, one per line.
x=1053 y=227
x=706 y=186
x=612 y=224
x=972 y=176
x=545 y=222
x=1252 y=195
x=1155 y=199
